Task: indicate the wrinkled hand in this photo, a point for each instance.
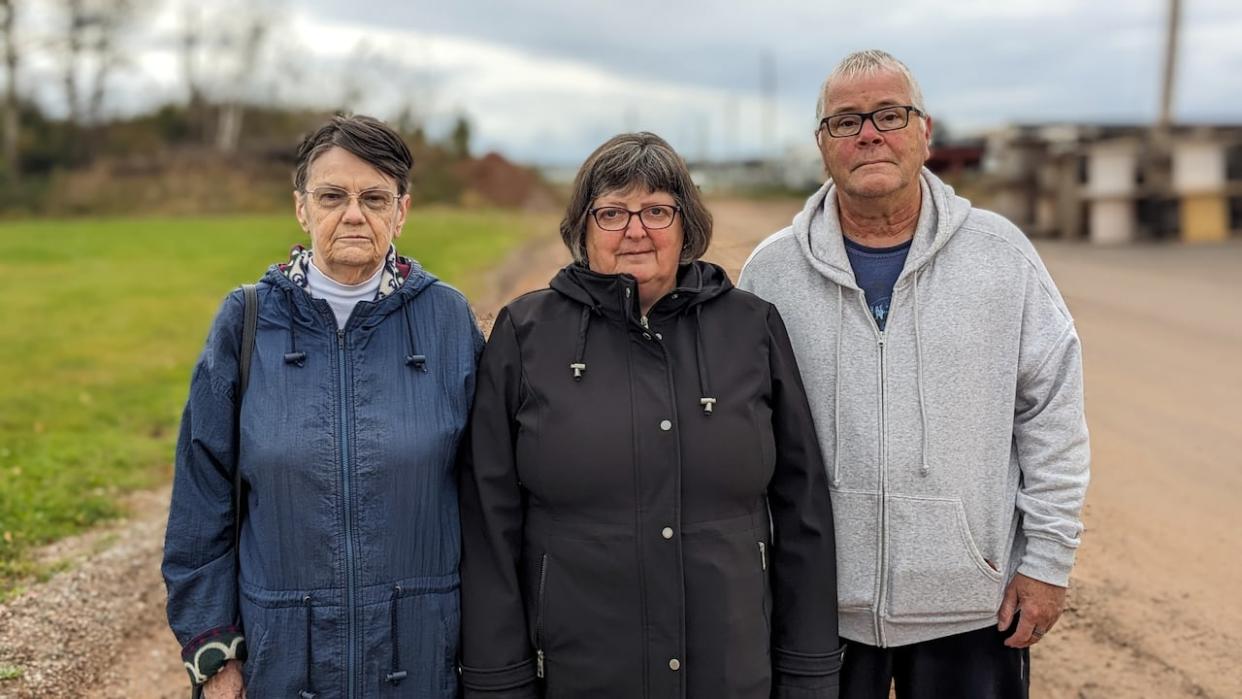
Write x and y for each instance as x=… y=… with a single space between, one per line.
x=226 y=684
x=1041 y=605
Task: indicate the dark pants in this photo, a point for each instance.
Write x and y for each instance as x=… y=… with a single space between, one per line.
x=971 y=665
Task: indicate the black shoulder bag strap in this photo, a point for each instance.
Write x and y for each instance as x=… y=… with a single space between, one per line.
x=250 y=325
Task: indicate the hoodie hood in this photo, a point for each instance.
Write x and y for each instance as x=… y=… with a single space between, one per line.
x=818 y=229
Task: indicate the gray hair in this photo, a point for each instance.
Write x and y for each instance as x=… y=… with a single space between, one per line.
x=366 y=137
x=867 y=63
x=624 y=162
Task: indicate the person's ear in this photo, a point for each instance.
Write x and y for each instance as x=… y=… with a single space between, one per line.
x=403 y=208
x=299 y=211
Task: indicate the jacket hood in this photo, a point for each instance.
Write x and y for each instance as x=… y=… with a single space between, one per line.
x=615 y=296
x=818 y=229
x=402 y=281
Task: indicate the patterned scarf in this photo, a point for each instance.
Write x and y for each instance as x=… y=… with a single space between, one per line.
x=391 y=278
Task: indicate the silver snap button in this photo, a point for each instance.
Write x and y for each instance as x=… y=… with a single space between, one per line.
x=666 y=425
x=627 y=292
x=667 y=532
x=674 y=664
x=659 y=336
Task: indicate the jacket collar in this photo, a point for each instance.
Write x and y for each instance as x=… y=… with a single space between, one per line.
x=402 y=280
x=395 y=271
x=615 y=296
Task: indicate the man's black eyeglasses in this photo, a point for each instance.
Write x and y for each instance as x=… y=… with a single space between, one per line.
x=887 y=119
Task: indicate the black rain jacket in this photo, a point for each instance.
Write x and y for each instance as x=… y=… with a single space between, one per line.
x=644 y=506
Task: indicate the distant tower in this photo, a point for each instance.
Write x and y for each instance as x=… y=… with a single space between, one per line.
x=767 y=86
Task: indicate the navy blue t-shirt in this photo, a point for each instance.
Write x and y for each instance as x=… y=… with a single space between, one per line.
x=876 y=270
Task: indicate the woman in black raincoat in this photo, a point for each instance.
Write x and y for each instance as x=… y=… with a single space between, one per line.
x=644 y=507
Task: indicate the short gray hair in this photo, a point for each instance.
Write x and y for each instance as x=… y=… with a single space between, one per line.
x=866 y=63
x=637 y=159
x=368 y=138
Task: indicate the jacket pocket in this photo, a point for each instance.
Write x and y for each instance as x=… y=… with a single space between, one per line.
x=540 y=614
x=727 y=607
x=411 y=638
x=766 y=602
x=856 y=518
x=277 y=662
x=935 y=567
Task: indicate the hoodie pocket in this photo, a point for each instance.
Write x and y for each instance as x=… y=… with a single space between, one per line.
x=936 y=569
x=856 y=517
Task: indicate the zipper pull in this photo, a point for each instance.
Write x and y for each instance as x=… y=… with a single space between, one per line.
x=539 y=664
x=763 y=555
x=643 y=320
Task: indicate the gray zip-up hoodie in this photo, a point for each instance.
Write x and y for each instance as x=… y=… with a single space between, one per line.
x=954 y=440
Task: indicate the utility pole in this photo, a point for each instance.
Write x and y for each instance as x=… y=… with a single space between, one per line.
x=1165 y=120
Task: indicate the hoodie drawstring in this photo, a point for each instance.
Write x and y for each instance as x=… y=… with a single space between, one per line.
x=707 y=401
x=413 y=359
x=578 y=366
x=309 y=691
x=394 y=678
x=836 y=399
x=293 y=356
x=924 y=466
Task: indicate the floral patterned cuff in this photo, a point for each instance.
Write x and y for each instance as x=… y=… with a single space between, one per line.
x=209 y=651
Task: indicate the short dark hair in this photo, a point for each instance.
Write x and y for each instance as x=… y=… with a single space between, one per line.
x=366 y=137
x=631 y=159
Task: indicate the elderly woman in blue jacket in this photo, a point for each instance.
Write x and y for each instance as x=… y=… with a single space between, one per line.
x=343 y=581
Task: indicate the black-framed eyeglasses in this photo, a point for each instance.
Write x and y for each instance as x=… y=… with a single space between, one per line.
x=654 y=217
x=887 y=119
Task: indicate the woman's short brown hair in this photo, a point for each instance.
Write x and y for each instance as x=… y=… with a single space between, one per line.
x=631 y=160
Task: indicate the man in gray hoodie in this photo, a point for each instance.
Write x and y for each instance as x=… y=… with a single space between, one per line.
x=945 y=376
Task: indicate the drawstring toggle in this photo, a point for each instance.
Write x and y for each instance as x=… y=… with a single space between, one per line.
x=418 y=361
x=707 y=404
x=298 y=358
x=578 y=369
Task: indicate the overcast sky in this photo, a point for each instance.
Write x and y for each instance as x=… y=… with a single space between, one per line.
x=546 y=80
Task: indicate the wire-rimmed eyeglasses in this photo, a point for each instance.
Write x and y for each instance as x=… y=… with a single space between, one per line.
x=331 y=197
x=849 y=124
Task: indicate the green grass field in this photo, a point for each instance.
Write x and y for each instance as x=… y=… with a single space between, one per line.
x=102 y=321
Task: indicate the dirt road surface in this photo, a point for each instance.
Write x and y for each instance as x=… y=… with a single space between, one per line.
x=1154 y=609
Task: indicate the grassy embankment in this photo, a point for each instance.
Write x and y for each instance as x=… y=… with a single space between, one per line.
x=101 y=323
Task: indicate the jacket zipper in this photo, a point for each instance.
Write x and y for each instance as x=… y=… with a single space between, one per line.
x=881 y=562
x=349 y=515
x=543 y=579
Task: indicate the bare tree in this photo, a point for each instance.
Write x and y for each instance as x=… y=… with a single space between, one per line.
x=232 y=110
x=11 y=119
x=76 y=22
x=107 y=22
